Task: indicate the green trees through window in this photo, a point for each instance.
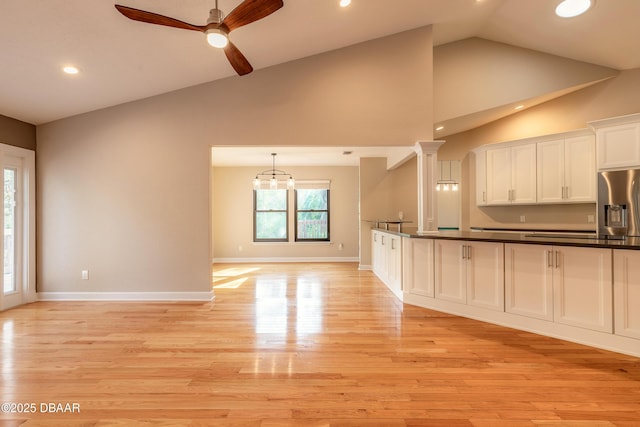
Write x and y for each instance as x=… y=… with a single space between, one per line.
x=312 y=214
x=271 y=215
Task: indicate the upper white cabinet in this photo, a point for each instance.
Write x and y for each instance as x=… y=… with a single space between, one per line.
x=566 y=170
x=559 y=168
x=481 y=176
x=511 y=174
x=618 y=142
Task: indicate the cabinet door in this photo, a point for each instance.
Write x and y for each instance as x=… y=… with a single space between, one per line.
x=379 y=256
x=619 y=146
x=394 y=264
x=499 y=176
x=481 y=178
x=523 y=174
x=528 y=281
x=626 y=288
x=550 y=171
x=417 y=270
x=450 y=271
x=485 y=275
x=580 y=169
x=583 y=287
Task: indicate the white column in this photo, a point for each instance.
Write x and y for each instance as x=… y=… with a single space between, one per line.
x=427 y=176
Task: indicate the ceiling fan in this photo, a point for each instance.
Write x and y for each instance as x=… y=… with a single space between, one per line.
x=217 y=29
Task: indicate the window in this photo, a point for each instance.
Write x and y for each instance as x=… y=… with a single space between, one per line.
x=312 y=214
x=270 y=222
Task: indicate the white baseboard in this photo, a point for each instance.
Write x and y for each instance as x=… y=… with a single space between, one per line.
x=365 y=267
x=126 y=296
x=284 y=259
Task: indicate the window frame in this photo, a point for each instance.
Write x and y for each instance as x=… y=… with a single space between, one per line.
x=255 y=217
x=327 y=210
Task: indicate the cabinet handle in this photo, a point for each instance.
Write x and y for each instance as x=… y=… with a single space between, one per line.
x=468 y=251
x=557 y=259
x=484 y=196
x=375 y=238
x=382 y=240
x=464 y=254
x=549 y=261
x=393 y=247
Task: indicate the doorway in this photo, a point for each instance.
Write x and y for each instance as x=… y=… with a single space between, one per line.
x=18 y=249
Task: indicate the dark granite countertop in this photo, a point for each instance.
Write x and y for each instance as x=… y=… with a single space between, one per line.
x=527 y=237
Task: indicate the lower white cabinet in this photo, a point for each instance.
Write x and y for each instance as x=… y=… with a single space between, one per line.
x=528 y=281
x=417 y=266
x=626 y=288
x=387 y=259
x=470 y=272
x=568 y=285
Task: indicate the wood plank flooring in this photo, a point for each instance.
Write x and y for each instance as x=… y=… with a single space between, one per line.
x=299 y=345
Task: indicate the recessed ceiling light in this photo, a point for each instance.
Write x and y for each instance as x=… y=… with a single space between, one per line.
x=70 y=69
x=519 y=107
x=572 y=8
x=345 y=3
x=439 y=128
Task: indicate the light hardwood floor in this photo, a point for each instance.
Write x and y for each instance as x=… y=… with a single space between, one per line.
x=300 y=345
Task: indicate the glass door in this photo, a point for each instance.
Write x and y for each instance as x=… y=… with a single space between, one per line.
x=18 y=251
x=12 y=234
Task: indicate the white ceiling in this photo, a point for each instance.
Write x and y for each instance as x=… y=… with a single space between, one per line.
x=306 y=156
x=121 y=60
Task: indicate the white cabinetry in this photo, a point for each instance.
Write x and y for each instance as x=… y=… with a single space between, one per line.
x=470 y=273
x=566 y=170
x=626 y=288
x=569 y=285
x=618 y=142
x=387 y=259
x=511 y=174
x=417 y=266
x=481 y=177
x=528 y=281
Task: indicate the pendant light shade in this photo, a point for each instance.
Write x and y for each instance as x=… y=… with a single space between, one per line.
x=272 y=176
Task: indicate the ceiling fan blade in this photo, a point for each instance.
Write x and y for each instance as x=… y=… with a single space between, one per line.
x=237 y=59
x=249 y=11
x=154 y=18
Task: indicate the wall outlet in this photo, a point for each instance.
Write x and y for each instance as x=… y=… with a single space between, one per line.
x=591 y=218
x=85 y=274
x=239 y=248
x=340 y=246
x=522 y=218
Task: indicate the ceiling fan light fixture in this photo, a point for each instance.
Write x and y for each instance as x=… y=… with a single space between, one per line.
x=573 y=8
x=217 y=38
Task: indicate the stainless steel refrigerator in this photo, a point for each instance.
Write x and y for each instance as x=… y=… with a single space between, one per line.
x=619 y=203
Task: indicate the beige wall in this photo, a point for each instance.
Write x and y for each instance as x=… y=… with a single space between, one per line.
x=124 y=191
x=233 y=215
x=615 y=97
x=383 y=194
x=486 y=75
x=17 y=133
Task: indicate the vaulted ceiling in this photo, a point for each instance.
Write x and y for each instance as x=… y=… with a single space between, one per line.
x=122 y=60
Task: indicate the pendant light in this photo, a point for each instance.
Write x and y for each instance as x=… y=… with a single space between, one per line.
x=446 y=184
x=272 y=176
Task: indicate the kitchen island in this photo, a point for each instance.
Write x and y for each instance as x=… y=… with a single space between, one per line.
x=574 y=287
